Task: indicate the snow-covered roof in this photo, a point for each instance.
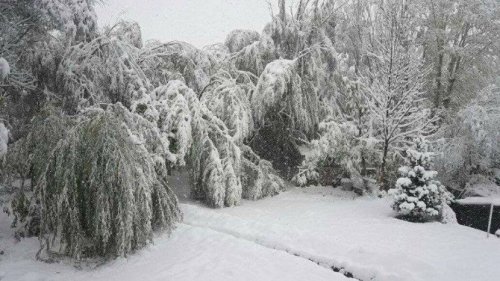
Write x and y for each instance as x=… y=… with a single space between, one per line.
x=479 y=201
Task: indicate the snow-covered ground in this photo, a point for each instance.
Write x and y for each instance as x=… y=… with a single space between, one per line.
x=298 y=235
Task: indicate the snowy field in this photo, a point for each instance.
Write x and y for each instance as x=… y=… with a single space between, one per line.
x=298 y=235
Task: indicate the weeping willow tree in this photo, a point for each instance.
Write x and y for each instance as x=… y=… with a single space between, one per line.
x=197 y=135
x=210 y=142
x=163 y=62
x=104 y=189
x=254 y=57
x=295 y=84
x=101 y=71
x=228 y=97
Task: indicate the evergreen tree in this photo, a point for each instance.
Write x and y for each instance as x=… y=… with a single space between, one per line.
x=417 y=195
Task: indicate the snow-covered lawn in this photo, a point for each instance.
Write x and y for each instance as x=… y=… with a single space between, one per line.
x=298 y=235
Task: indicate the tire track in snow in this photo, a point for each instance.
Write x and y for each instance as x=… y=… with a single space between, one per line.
x=268 y=245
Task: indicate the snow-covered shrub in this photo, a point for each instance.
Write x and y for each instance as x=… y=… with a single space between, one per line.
x=448 y=216
x=104 y=189
x=308 y=173
x=417 y=195
x=336 y=154
x=238 y=39
x=258 y=177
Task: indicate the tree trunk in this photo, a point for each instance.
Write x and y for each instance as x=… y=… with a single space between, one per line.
x=438 y=91
x=383 y=180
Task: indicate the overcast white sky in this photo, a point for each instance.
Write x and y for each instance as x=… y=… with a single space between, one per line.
x=199 y=22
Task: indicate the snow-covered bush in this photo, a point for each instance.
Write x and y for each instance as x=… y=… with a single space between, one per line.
x=104 y=189
x=417 y=195
x=338 y=153
x=258 y=177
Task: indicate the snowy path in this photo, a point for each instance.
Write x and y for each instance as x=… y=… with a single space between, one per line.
x=298 y=235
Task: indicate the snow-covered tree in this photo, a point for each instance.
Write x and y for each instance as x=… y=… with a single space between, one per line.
x=164 y=62
x=76 y=18
x=254 y=57
x=129 y=32
x=228 y=97
x=394 y=86
x=196 y=136
x=101 y=71
x=104 y=189
x=211 y=146
x=460 y=38
x=27 y=157
x=279 y=97
x=239 y=39
x=219 y=54
x=470 y=144
x=417 y=195
x=25 y=161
